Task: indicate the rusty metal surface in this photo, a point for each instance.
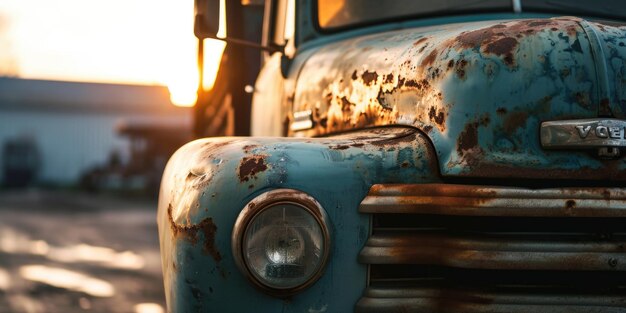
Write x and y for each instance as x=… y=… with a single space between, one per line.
x=479 y=91
x=457 y=248
x=439 y=300
x=208 y=182
x=467 y=200
x=493 y=251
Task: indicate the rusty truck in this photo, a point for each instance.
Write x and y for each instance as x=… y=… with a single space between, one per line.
x=411 y=156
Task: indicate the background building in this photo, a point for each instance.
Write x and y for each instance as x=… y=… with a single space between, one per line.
x=67 y=133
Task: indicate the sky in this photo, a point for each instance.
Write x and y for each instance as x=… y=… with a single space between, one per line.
x=148 y=42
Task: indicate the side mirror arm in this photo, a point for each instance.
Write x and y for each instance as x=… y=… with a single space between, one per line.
x=201 y=33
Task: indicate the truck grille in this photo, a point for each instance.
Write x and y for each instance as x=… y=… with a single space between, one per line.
x=458 y=248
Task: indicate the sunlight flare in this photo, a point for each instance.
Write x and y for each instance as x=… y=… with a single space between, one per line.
x=148 y=308
x=62 y=278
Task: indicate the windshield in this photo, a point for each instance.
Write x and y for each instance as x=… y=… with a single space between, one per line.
x=344 y=13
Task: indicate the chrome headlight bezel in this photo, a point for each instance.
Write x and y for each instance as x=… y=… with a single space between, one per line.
x=260 y=204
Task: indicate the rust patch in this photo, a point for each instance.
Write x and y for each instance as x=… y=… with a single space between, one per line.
x=460 y=68
x=345 y=104
x=419 y=41
x=450 y=64
x=430 y=58
x=468 y=139
x=503 y=48
x=538 y=23
x=514 y=121
x=501 y=39
x=369 y=77
x=389 y=78
x=250 y=166
x=437 y=117
x=190 y=233
x=582 y=98
x=249 y=148
x=395 y=141
x=339 y=147
x=605 y=108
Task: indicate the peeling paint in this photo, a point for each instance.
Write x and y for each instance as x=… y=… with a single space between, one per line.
x=251 y=166
x=443 y=80
x=190 y=233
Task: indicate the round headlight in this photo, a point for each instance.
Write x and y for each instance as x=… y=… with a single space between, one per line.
x=281 y=241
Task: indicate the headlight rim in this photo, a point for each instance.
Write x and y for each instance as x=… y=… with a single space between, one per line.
x=265 y=201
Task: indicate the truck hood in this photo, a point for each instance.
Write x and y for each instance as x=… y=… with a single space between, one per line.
x=478 y=90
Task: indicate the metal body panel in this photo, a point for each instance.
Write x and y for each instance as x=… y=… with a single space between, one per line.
x=479 y=90
x=208 y=182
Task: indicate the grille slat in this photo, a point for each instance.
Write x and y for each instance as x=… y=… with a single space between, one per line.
x=492 y=252
x=443 y=199
x=453 y=301
x=458 y=248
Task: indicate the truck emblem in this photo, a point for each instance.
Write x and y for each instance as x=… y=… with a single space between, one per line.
x=608 y=135
x=583 y=130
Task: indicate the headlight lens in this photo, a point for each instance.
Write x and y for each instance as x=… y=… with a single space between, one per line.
x=282 y=240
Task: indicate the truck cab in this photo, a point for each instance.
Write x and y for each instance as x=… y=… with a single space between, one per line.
x=411 y=156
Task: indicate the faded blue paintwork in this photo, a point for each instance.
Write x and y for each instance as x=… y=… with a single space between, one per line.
x=204 y=179
x=480 y=91
x=611 y=58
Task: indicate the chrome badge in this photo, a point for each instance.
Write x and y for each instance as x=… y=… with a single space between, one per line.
x=606 y=134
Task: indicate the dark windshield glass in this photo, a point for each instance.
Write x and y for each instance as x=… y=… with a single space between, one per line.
x=342 y=13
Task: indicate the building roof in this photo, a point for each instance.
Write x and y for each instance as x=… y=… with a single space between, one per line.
x=99 y=98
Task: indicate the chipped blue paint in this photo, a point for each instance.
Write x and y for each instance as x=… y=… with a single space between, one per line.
x=204 y=181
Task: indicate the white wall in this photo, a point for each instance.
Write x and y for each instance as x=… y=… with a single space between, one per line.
x=69 y=142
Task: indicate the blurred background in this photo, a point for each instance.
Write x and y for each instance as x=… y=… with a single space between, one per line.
x=94 y=97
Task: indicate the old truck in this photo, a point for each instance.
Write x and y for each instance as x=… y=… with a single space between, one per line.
x=411 y=156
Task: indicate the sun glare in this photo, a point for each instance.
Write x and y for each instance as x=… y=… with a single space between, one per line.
x=183 y=87
x=124 y=43
x=183 y=83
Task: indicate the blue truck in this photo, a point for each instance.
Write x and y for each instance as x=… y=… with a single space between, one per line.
x=411 y=156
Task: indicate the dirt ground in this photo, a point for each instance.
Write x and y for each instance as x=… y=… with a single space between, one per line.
x=76 y=252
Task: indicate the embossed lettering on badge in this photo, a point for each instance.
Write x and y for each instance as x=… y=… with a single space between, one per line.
x=606 y=135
